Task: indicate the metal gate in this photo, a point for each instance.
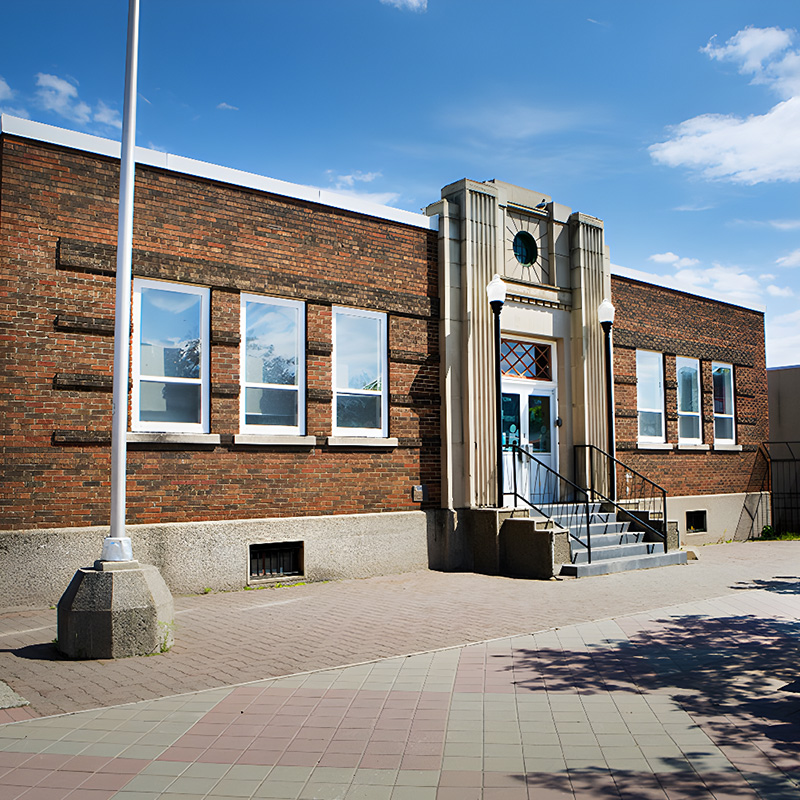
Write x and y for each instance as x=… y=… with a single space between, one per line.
x=784 y=460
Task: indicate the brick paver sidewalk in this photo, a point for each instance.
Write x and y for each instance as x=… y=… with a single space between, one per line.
x=225 y=639
x=691 y=701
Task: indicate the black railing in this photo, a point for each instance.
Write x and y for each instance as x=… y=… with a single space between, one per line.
x=784 y=468
x=550 y=494
x=610 y=481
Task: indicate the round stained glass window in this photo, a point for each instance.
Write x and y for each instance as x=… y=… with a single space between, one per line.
x=525 y=249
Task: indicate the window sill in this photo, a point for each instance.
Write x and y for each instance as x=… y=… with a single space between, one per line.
x=654 y=446
x=173 y=438
x=693 y=446
x=274 y=440
x=728 y=448
x=360 y=441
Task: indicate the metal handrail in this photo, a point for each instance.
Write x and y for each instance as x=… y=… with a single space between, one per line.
x=612 y=460
x=521 y=452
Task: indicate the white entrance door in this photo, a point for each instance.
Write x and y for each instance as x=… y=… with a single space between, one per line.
x=529 y=420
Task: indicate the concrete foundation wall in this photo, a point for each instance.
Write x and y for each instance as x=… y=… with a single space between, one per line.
x=37 y=565
x=726 y=516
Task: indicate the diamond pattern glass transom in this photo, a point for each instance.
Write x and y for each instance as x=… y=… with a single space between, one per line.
x=526 y=360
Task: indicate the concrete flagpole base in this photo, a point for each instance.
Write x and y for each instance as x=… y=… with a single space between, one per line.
x=115 y=609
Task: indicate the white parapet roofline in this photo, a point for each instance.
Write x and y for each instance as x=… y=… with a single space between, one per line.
x=665 y=282
x=86 y=142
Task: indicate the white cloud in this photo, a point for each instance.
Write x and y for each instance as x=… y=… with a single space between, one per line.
x=345 y=184
x=348 y=181
x=7 y=93
x=785 y=224
x=754 y=149
x=227 y=107
x=691 y=207
x=663 y=258
x=760 y=148
x=767 y=276
x=407 y=5
x=513 y=121
x=732 y=283
x=15 y=112
x=107 y=116
x=60 y=96
x=719 y=282
x=792 y=260
x=671 y=258
x=381 y=198
x=783 y=339
x=779 y=291
x=764 y=54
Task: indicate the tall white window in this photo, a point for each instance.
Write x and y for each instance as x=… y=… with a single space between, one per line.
x=170 y=357
x=272 y=397
x=650 y=395
x=690 y=430
x=360 y=373
x=724 y=429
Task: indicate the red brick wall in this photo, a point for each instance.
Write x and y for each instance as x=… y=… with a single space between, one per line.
x=57 y=258
x=677 y=324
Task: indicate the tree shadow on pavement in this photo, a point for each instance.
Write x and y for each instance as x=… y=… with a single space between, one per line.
x=736 y=676
x=678 y=784
x=780 y=584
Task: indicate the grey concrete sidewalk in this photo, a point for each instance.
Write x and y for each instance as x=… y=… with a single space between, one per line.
x=697 y=700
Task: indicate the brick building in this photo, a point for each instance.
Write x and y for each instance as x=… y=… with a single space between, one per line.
x=312 y=376
x=703 y=361
x=322 y=439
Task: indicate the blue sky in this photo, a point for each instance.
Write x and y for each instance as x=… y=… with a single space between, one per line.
x=677 y=123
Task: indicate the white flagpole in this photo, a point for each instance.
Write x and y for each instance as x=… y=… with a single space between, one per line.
x=117 y=546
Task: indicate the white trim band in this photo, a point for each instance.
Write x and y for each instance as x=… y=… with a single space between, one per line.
x=51 y=134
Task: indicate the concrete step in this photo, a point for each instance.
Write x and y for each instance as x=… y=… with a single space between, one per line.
x=611 y=540
x=580 y=519
x=595 y=528
x=617 y=551
x=551 y=509
x=608 y=566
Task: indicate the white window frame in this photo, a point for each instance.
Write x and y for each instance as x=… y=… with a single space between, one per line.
x=383 y=393
x=300 y=386
x=681 y=361
x=732 y=415
x=203 y=381
x=656 y=410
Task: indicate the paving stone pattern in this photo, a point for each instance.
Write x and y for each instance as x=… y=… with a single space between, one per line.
x=692 y=700
x=225 y=639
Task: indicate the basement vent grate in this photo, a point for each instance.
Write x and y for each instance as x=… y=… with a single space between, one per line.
x=276 y=560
